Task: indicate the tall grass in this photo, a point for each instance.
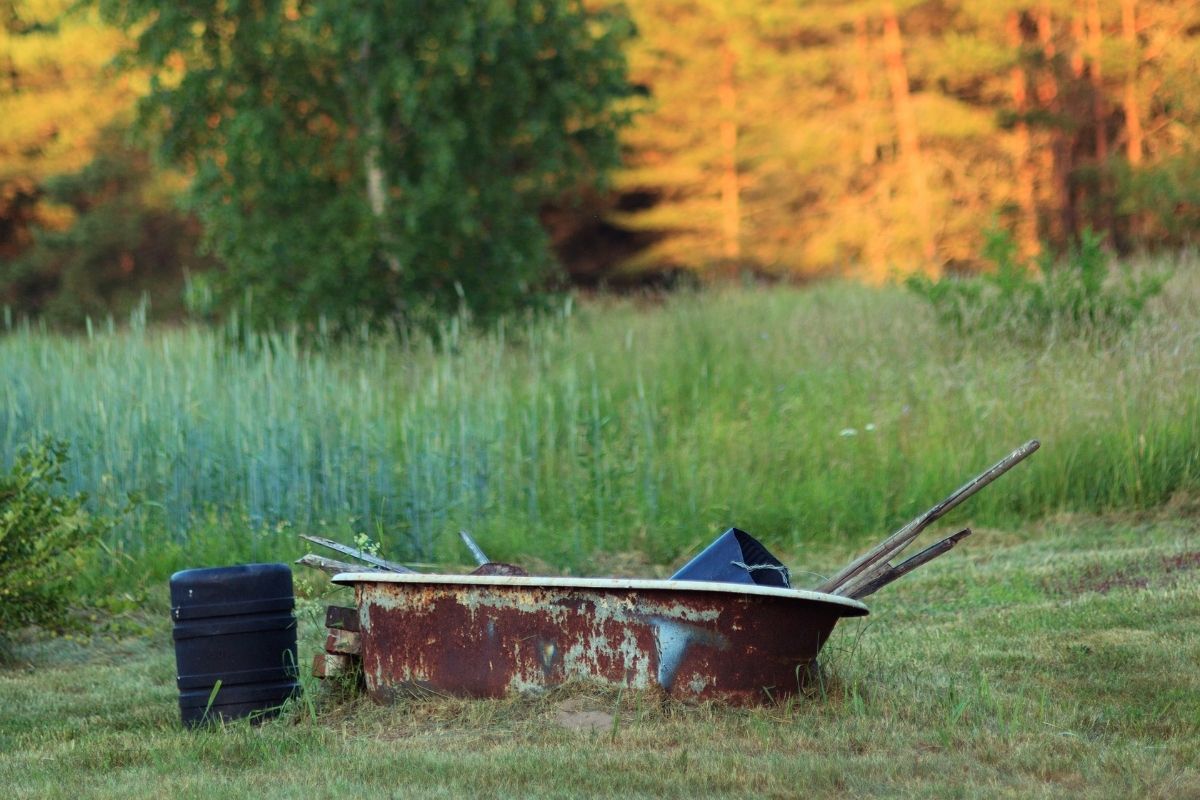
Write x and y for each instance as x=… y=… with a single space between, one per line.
x=616 y=425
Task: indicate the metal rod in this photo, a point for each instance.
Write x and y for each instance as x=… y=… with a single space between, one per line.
x=476 y=552
x=894 y=544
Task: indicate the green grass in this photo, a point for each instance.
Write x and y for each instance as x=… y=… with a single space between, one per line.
x=647 y=426
x=1050 y=660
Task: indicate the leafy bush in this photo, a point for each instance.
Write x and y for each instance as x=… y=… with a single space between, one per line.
x=1073 y=295
x=42 y=536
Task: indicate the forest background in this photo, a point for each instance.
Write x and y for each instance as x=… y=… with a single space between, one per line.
x=775 y=140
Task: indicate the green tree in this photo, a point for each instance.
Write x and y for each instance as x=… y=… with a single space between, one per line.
x=366 y=159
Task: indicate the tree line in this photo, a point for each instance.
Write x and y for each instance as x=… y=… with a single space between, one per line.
x=867 y=135
x=391 y=159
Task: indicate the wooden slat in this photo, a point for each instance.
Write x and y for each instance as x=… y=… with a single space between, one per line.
x=342 y=618
x=355 y=553
x=346 y=643
x=331 y=665
x=331 y=566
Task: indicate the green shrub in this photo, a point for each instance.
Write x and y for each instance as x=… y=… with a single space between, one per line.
x=43 y=534
x=1072 y=295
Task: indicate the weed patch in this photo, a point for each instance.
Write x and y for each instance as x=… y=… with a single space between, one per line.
x=1076 y=295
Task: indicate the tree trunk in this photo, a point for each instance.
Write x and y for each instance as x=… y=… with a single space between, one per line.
x=906 y=128
x=377 y=189
x=376 y=195
x=728 y=137
x=868 y=147
x=1026 y=228
x=1054 y=155
x=1133 y=122
x=1047 y=83
x=1095 y=37
x=1080 y=39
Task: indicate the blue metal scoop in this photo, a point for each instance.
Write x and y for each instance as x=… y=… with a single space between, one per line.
x=736 y=557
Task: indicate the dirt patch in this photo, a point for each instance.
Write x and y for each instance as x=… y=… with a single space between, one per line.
x=1182 y=562
x=1105 y=578
x=572 y=714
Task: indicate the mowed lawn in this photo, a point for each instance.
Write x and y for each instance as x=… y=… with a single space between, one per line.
x=1053 y=660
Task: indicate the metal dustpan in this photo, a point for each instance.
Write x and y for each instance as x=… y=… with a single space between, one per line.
x=736 y=557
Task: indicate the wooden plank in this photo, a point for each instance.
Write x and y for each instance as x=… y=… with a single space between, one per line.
x=346 y=643
x=331 y=566
x=342 y=618
x=331 y=665
x=355 y=553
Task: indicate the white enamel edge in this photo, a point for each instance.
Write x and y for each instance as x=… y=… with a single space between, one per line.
x=348 y=578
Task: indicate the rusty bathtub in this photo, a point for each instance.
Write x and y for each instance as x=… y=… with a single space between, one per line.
x=487 y=636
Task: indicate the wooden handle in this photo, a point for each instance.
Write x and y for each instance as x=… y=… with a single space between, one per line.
x=866 y=584
x=894 y=544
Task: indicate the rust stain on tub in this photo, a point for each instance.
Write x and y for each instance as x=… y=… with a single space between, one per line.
x=487 y=636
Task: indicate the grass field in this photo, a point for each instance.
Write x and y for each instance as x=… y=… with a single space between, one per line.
x=1050 y=660
x=637 y=426
x=1053 y=654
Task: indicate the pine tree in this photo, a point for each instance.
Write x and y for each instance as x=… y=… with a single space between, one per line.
x=875 y=137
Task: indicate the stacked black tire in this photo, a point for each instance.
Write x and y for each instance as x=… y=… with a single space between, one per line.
x=235 y=632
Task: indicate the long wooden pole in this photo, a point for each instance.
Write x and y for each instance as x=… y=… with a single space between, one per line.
x=476 y=551
x=895 y=543
x=863 y=586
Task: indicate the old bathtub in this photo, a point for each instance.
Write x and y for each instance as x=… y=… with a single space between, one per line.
x=487 y=636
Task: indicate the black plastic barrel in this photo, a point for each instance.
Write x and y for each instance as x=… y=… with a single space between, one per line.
x=235 y=626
